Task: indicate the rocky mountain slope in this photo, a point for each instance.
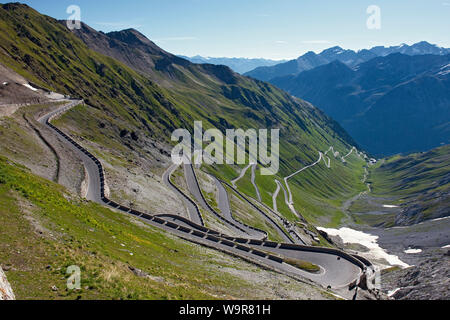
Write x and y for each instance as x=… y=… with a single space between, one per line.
x=14 y=92
x=167 y=93
x=430 y=280
x=137 y=94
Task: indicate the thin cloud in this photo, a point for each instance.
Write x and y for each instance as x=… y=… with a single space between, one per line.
x=446 y=4
x=316 y=42
x=280 y=42
x=176 y=39
x=120 y=25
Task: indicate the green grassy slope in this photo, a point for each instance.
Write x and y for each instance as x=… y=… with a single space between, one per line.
x=44 y=51
x=172 y=93
x=406 y=189
x=318 y=193
x=418 y=182
x=44 y=230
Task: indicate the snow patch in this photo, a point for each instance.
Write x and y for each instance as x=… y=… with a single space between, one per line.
x=390 y=206
x=29 y=87
x=367 y=240
x=440 y=219
x=392 y=292
x=445 y=70
x=443 y=73
x=413 y=251
x=446 y=247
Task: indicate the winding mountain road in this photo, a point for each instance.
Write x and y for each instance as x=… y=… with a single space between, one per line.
x=194 y=189
x=225 y=209
x=193 y=211
x=275 y=196
x=283 y=234
x=258 y=194
x=348 y=155
x=338 y=269
x=322 y=156
x=94 y=185
x=242 y=174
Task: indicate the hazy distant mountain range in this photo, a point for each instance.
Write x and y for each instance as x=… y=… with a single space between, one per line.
x=351 y=58
x=239 y=65
x=392 y=104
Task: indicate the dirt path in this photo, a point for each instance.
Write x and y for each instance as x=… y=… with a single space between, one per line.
x=327 y=161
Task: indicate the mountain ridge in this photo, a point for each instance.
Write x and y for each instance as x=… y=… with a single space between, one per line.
x=392 y=104
x=351 y=58
x=133 y=106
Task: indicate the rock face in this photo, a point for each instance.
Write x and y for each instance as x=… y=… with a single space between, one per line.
x=6 y=292
x=14 y=93
x=428 y=281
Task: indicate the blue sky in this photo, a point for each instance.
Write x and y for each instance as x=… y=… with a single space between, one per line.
x=274 y=29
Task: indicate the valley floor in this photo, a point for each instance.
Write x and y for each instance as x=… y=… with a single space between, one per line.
x=397 y=214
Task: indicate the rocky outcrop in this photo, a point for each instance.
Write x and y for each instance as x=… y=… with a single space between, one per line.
x=430 y=280
x=14 y=92
x=6 y=292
